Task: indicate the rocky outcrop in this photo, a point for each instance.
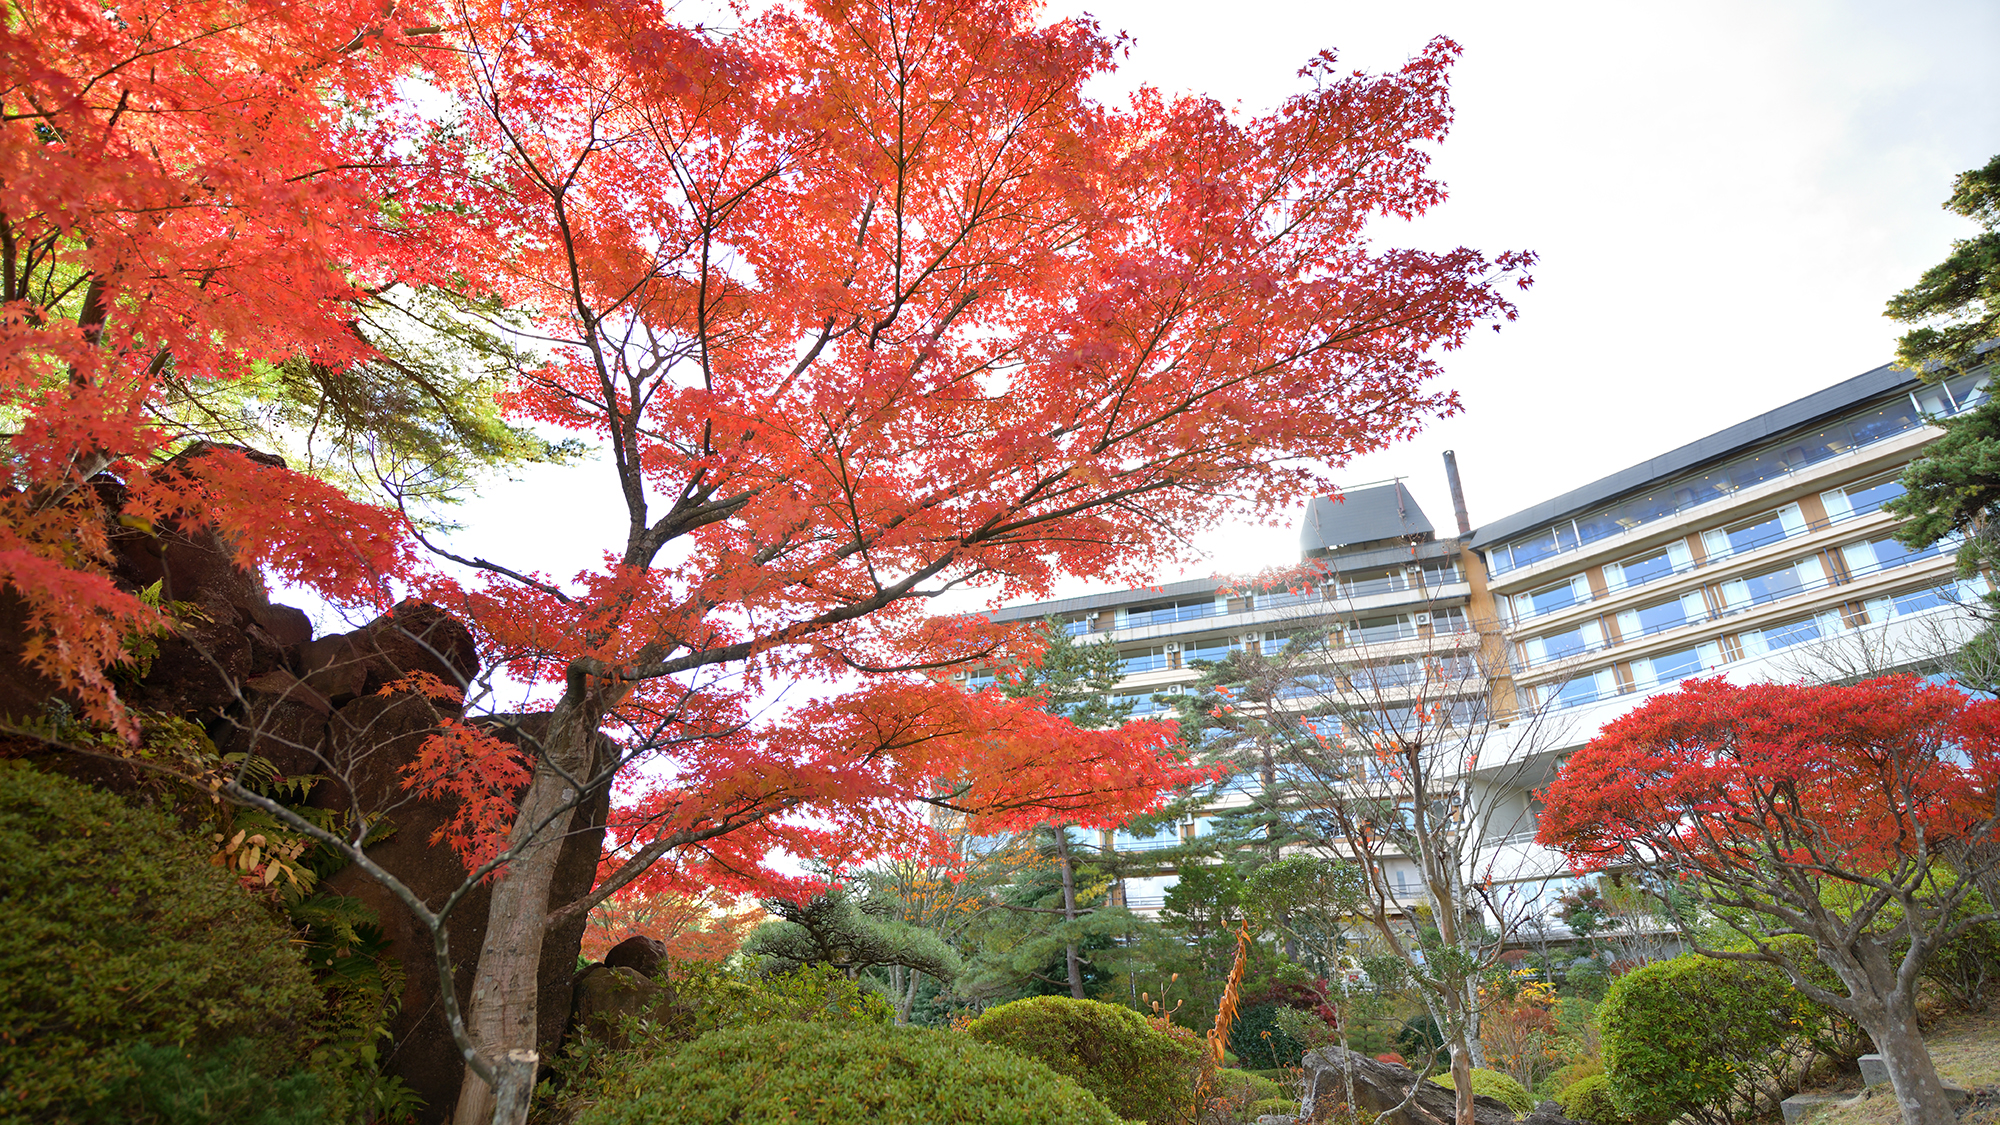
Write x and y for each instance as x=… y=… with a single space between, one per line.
x=250 y=672
x=606 y=999
x=1381 y=1087
x=639 y=953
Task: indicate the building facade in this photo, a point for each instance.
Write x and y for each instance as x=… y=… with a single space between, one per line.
x=1758 y=552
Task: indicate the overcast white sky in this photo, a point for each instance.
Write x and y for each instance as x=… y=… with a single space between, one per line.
x=1723 y=195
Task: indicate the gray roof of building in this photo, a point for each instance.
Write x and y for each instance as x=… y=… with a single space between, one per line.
x=1361 y=515
x=1202 y=586
x=1811 y=409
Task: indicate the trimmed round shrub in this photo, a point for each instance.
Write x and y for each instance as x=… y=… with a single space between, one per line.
x=1137 y=1071
x=1695 y=1035
x=1589 y=1099
x=819 y=1074
x=115 y=931
x=1496 y=1085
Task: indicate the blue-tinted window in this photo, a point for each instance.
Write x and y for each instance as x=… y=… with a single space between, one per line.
x=1866 y=500
x=1659 y=618
x=1744 y=537
x=1640 y=571
x=1552 y=598
x=1790 y=633
x=1672 y=666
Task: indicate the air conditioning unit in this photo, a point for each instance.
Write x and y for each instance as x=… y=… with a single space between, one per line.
x=1423 y=618
x=1252 y=638
x=1177 y=689
x=1173 y=646
x=961 y=675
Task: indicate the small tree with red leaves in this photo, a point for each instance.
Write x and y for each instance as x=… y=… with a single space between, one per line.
x=1860 y=816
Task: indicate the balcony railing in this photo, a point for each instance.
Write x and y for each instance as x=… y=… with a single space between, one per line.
x=1521 y=617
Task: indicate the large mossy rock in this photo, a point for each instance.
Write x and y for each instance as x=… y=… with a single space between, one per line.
x=820 y=1074
x=115 y=931
x=1380 y=1087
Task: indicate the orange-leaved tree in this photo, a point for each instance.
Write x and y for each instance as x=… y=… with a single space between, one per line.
x=863 y=303
x=203 y=209
x=1861 y=817
x=870 y=301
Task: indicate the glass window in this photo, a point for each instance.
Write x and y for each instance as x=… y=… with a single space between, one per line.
x=1891 y=418
x=1878 y=555
x=1755 y=532
x=1076 y=626
x=1781 y=636
x=1207 y=648
x=1579 y=690
x=1562 y=595
x=1757 y=589
x=1672 y=558
x=1957 y=594
x=1661 y=616
x=1166 y=836
x=1585 y=636
x=1449 y=620
x=1305 y=595
x=1860 y=499
x=1400 y=673
x=1673 y=667
x=1932 y=399
x=1756 y=469
x=1373 y=630
x=1171 y=612
x=1142 y=660
x=1537 y=547
x=1967 y=391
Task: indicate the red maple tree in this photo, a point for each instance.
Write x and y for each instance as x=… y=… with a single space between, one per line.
x=863 y=303
x=1862 y=817
x=187 y=198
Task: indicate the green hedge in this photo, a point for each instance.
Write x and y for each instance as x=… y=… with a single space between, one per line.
x=1496 y=1085
x=115 y=931
x=1694 y=1035
x=819 y=1074
x=1137 y=1071
x=1589 y=1099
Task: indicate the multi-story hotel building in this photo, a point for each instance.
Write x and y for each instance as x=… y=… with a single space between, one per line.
x=1758 y=552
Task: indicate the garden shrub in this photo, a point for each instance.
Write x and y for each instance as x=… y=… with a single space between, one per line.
x=1589 y=1099
x=1494 y=1085
x=1262 y=1042
x=114 y=931
x=709 y=997
x=1280 y=1107
x=1586 y=980
x=822 y=1074
x=1699 y=1036
x=172 y=1086
x=1137 y=1071
x=1254 y=1087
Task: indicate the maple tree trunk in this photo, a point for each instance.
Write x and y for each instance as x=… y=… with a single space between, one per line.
x=1919 y=1093
x=502 y=1016
x=1075 y=963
